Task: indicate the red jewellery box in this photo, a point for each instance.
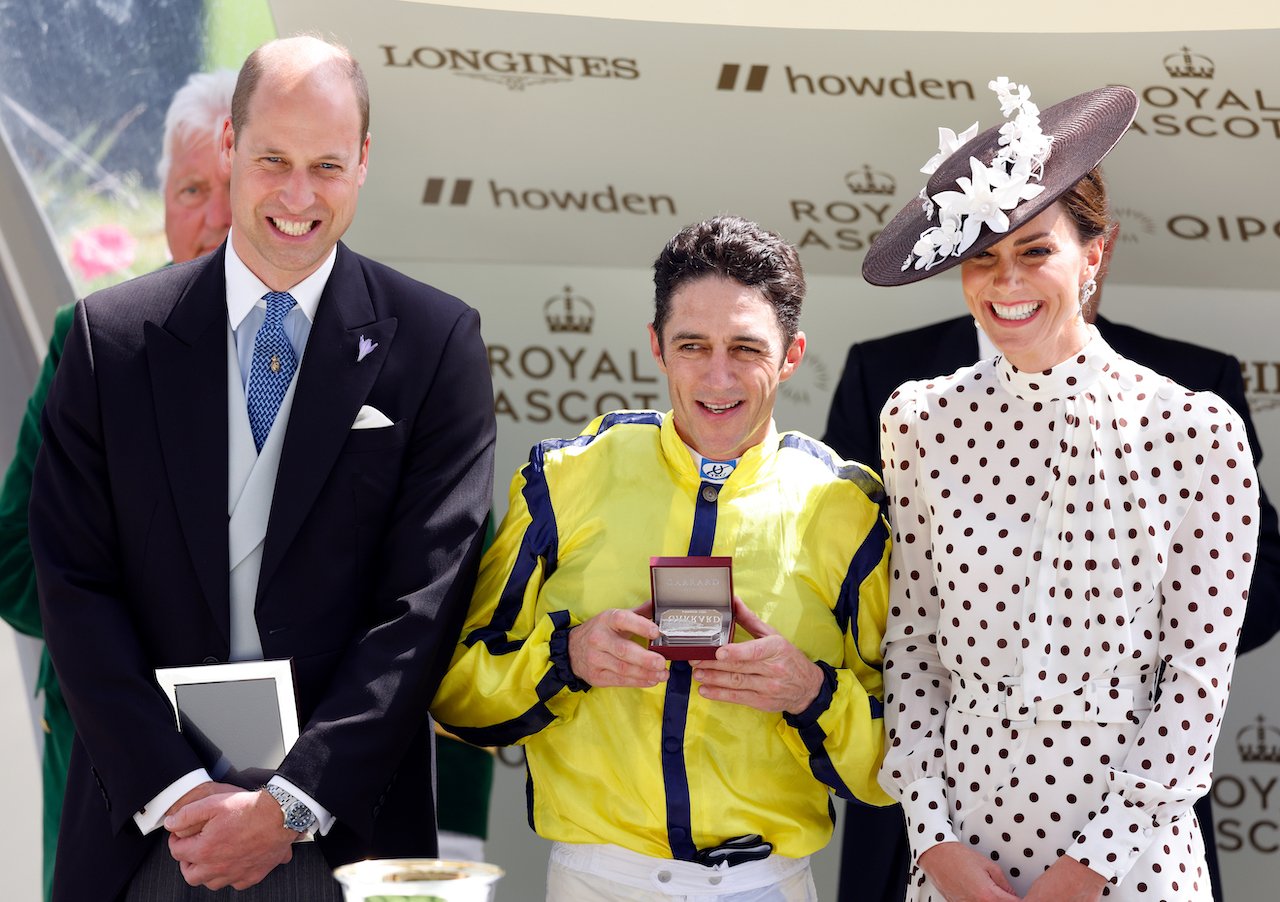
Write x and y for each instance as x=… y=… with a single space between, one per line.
x=692 y=605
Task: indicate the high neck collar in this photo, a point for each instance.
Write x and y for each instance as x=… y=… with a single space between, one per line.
x=1063 y=380
x=680 y=456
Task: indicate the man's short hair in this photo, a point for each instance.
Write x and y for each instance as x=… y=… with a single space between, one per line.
x=198 y=108
x=737 y=249
x=255 y=65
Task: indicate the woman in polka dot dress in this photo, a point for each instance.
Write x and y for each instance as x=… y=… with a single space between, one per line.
x=1073 y=543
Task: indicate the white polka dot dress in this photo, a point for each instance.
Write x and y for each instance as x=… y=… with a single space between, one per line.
x=1072 y=554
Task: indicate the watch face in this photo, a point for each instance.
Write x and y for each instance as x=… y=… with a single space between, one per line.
x=299 y=817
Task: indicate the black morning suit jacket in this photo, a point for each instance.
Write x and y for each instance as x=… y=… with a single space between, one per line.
x=875 y=857
x=368 y=563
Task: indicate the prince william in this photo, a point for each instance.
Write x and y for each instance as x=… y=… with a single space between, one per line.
x=282 y=450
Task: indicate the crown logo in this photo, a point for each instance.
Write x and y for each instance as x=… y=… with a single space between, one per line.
x=868 y=181
x=568 y=312
x=1186 y=64
x=1259 y=743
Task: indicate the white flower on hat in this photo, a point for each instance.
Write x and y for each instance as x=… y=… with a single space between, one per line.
x=1023 y=141
x=1011 y=95
x=936 y=244
x=991 y=191
x=948 y=143
x=984 y=198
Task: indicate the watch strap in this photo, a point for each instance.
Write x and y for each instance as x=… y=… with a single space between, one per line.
x=298 y=816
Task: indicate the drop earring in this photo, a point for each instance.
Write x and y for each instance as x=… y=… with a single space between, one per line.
x=1087 y=291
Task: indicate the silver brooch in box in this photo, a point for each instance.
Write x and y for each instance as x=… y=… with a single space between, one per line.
x=692 y=605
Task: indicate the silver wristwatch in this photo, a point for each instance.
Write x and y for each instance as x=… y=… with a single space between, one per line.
x=297 y=816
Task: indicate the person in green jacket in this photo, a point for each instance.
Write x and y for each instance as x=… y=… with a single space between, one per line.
x=197 y=211
x=19 y=605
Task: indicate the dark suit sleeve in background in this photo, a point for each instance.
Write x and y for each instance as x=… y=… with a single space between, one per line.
x=853 y=424
x=1262 y=614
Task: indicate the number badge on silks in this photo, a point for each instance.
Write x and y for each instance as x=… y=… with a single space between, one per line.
x=717 y=470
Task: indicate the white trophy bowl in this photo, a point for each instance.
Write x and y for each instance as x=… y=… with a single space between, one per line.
x=417 y=880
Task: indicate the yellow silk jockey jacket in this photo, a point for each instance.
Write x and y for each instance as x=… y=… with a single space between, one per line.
x=663 y=771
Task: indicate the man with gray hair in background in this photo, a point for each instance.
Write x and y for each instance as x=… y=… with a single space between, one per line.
x=197 y=214
x=197 y=205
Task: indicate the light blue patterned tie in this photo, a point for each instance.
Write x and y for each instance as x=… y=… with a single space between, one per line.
x=272 y=367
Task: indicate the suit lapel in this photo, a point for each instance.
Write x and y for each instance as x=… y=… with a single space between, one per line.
x=332 y=386
x=187 y=358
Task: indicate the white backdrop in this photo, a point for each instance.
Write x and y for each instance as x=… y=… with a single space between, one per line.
x=534 y=165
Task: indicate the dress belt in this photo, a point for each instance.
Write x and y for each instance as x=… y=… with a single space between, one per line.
x=1105 y=700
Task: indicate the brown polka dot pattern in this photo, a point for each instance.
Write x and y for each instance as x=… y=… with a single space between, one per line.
x=1072 y=553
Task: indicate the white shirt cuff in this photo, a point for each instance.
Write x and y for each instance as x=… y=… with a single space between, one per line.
x=324 y=820
x=152 y=814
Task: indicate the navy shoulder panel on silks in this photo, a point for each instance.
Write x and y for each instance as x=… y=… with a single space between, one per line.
x=541 y=539
x=847 y=470
x=630 y=417
x=538 y=454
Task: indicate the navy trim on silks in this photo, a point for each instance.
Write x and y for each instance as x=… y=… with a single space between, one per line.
x=630 y=417
x=508 y=732
x=561 y=666
x=675 y=776
x=541 y=539
x=813 y=736
x=821 y=702
x=704 y=521
x=854 y=472
x=675 y=705
x=559 y=676
x=865 y=560
x=528 y=793
x=871 y=551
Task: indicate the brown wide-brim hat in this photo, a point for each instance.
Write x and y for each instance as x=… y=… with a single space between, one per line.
x=1084 y=130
